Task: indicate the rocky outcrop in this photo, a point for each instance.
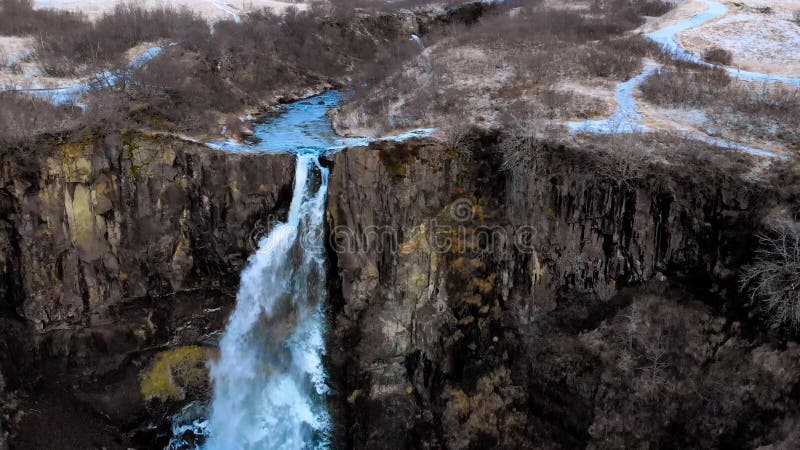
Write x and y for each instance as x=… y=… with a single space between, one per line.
x=118 y=247
x=474 y=307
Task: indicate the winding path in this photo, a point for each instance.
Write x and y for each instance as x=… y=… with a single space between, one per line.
x=70 y=95
x=667 y=38
x=627 y=118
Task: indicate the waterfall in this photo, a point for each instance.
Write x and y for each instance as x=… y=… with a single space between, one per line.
x=269 y=383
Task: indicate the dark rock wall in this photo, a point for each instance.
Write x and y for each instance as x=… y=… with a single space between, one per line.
x=477 y=308
x=118 y=247
x=471 y=307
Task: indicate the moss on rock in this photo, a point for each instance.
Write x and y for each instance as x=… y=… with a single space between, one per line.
x=175 y=372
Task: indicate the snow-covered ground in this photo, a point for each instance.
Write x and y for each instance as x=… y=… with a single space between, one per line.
x=213 y=10
x=765 y=38
x=762 y=41
x=759 y=42
x=13 y=50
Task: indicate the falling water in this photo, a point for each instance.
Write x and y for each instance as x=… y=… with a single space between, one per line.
x=269 y=383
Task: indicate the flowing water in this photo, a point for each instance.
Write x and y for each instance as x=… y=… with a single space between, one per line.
x=269 y=382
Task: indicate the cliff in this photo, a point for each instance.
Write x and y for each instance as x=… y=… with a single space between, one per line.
x=554 y=307
x=471 y=306
x=115 y=249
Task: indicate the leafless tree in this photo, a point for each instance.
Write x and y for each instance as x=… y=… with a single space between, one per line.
x=653 y=371
x=623 y=163
x=455 y=132
x=773 y=280
x=630 y=326
x=524 y=143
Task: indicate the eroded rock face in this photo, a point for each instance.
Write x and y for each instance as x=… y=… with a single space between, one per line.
x=118 y=247
x=474 y=307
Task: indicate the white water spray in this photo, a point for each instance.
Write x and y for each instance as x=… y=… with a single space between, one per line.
x=269 y=383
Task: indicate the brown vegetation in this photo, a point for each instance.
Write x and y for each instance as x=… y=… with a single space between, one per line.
x=719 y=56
x=68 y=43
x=515 y=57
x=736 y=108
x=773 y=280
x=24 y=117
x=18 y=18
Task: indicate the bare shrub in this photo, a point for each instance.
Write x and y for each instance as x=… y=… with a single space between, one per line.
x=455 y=132
x=92 y=46
x=654 y=376
x=768 y=112
x=602 y=60
x=24 y=117
x=623 y=162
x=17 y=18
x=719 y=56
x=796 y=17
x=773 y=280
x=653 y=8
x=524 y=143
x=684 y=87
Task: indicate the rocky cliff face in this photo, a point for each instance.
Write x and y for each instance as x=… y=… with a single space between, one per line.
x=116 y=249
x=471 y=307
x=475 y=307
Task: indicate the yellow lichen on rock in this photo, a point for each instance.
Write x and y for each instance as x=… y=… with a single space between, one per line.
x=174 y=370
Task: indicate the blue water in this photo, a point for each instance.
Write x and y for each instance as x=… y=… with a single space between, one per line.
x=269 y=383
x=304 y=127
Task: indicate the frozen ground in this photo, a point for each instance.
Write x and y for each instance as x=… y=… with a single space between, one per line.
x=758 y=42
x=764 y=38
x=626 y=118
x=213 y=10
x=765 y=46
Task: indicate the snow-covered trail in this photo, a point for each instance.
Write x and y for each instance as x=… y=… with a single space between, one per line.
x=223 y=6
x=628 y=119
x=67 y=95
x=667 y=38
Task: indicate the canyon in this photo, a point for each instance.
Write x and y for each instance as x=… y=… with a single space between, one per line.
x=122 y=254
x=424 y=257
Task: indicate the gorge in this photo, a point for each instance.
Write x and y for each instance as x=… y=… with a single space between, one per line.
x=292 y=287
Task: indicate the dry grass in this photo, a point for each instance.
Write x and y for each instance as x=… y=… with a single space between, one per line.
x=765 y=111
x=516 y=56
x=68 y=44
